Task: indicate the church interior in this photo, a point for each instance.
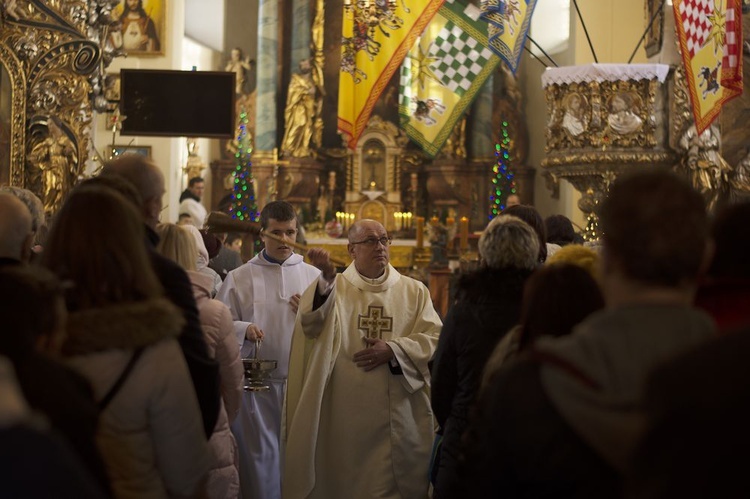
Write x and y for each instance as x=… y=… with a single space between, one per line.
x=555 y=166
x=585 y=94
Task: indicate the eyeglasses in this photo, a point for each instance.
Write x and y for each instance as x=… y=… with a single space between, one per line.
x=373 y=241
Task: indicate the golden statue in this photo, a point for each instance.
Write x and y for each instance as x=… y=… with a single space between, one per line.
x=708 y=171
x=299 y=114
x=455 y=144
x=54 y=156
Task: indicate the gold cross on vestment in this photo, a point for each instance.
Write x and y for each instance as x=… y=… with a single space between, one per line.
x=374 y=324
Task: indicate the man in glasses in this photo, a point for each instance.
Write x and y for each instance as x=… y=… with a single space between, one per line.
x=358 y=416
x=263 y=295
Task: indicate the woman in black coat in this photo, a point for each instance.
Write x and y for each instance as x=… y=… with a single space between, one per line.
x=488 y=304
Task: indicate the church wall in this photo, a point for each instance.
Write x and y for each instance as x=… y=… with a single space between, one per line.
x=166 y=152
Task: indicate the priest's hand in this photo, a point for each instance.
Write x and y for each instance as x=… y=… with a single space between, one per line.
x=294 y=302
x=378 y=352
x=321 y=259
x=253 y=332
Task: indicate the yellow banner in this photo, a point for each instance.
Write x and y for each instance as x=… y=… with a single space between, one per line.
x=442 y=75
x=702 y=28
x=376 y=37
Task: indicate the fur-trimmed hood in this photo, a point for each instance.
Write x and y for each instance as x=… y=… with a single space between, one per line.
x=122 y=326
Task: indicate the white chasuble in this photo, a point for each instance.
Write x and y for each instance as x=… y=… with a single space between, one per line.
x=259 y=293
x=351 y=433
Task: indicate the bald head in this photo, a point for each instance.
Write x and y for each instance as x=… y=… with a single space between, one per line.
x=15 y=228
x=146 y=178
x=360 y=226
x=368 y=247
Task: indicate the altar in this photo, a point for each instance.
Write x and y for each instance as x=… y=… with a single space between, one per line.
x=404 y=253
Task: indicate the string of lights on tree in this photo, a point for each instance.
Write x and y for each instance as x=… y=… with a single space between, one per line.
x=503 y=183
x=243 y=205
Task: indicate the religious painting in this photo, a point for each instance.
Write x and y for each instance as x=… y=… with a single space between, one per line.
x=143 y=27
x=655 y=34
x=115 y=151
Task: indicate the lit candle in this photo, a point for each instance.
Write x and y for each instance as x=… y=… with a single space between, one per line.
x=450 y=221
x=420 y=232
x=464 y=242
x=399 y=220
x=408 y=219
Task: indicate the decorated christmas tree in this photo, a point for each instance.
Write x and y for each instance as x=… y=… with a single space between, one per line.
x=243 y=205
x=503 y=183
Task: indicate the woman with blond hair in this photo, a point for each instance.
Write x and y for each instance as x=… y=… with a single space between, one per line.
x=122 y=337
x=179 y=244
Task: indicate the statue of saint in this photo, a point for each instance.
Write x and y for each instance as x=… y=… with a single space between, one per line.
x=239 y=65
x=708 y=171
x=54 y=156
x=455 y=145
x=299 y=114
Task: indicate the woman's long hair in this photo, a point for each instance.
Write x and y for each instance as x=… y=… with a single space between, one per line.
x=97 y=242
x=178 y=245
x=556 y=298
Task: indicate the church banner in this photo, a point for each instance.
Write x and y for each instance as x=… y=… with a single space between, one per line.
x=443 y=73
x=376 y=37
x=509 y=22
x=710 y=33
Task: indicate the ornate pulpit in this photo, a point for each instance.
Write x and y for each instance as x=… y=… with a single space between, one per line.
x=604 y=120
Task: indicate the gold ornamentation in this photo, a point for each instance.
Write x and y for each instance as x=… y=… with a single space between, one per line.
x=55 y=55
x=601 y=115
x=55 y=157
x=12 y=65
x=707 y=170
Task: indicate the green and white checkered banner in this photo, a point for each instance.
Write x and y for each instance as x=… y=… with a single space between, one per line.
x=443 y=73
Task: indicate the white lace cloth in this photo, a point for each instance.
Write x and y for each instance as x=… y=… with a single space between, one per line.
x=604 y=72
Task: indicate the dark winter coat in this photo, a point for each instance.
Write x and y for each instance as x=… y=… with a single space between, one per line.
x=488 y=304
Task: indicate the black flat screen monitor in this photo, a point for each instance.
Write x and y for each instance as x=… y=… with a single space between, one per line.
x=177 y=103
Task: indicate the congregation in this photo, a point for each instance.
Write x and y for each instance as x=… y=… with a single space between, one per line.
x=562 y=369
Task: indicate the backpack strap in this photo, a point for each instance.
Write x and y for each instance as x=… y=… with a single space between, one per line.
x=104 y=402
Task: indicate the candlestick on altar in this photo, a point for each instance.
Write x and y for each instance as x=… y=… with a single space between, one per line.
x=408 y=220
x=464 y=234
x=420 y=232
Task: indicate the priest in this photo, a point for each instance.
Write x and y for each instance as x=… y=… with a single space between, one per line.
x=358 y=418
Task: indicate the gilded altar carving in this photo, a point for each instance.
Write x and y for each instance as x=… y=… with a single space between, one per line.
x=56 y=54
x=602 y=114
x=17 y=77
